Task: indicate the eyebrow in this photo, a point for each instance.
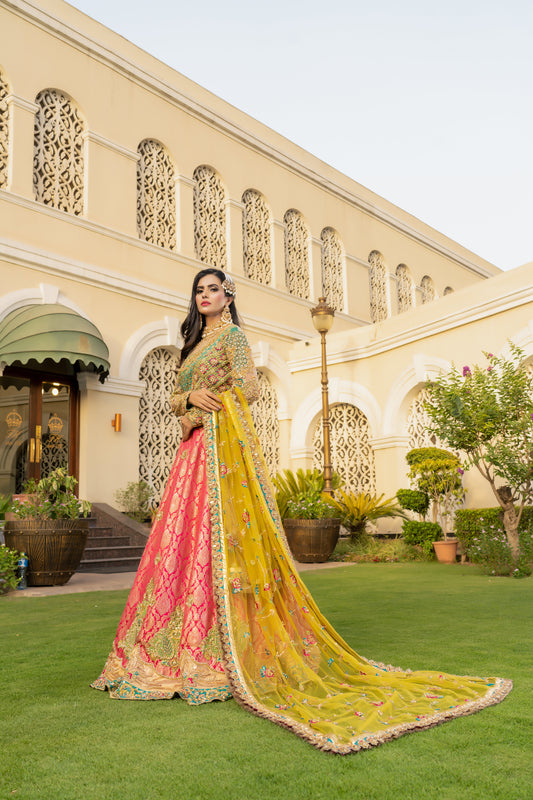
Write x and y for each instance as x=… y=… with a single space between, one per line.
x=209 y=286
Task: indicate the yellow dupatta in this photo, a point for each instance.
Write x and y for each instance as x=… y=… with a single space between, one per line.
x=283 y=659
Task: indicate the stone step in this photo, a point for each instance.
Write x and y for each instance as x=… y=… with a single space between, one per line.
x=107 y=541
x=109 y=553
x=109 y=565
x=100 y=530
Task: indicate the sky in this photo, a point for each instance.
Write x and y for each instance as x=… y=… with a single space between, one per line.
x=428 y=104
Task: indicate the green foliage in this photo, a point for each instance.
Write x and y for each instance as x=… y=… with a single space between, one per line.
x=135 y=500
x=8 y=567
x=52 y=497
x=421 y=534
x=413 y=500
x=371 y=549
x=5 y=505
x=356 y=509
x=487 y=412
x=437 y=473
x=303 y=489
x=480 y=532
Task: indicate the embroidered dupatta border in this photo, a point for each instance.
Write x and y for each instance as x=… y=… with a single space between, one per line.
x=240 y=690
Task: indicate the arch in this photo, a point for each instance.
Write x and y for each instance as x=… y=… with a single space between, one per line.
x=266 y=420
x=333 y=268
x=405 y=388
x=352 y=454
x=4 y=130
x=58 y=152
x=46 y=293
x=267 y=360
x=405 y=288
x=427 y=287
x=297 y=243
x=156 y=194
x=257 y=237
x=379 y=287
x=310 y=410
x=160 y=333
x=209 y=203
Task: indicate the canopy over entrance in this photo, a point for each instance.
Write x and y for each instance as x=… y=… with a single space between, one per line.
x=33 y=335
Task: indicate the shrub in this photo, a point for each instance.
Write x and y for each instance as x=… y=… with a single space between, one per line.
x=52 y=497
x=8 y=568
x=483 y=539
x=421 y=534
x=413 y=500
x=357 y=508
x=135 y=500
x=305 y=486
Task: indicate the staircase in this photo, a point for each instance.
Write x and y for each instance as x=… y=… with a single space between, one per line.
x=115 y=542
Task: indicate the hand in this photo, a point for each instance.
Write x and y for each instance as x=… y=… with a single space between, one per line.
x=186 y=428
x=205 y=399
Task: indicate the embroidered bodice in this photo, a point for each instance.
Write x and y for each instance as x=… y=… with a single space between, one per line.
x=218 y=364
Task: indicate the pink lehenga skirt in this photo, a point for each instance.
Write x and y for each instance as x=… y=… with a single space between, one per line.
x=167 y=642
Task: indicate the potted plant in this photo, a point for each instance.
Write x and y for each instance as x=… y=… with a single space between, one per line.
x=436 y=473
x=8 y=569
x=310 y=522
x=357 y=508
x=49 y=523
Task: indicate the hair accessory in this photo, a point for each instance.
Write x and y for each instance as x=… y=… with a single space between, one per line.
x=229 y=286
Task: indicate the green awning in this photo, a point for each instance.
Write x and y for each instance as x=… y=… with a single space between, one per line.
x=39 y=333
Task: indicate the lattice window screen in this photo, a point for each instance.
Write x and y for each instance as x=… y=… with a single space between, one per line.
x=159 y=429
x=58 y=152
x=332 y=268
x=265 y=416
x=428 y=289
x=4 y=132
x=352 y=455
x=209 y=217
x=156 y=195
x=256 y=223
x=379 y=288
x=405 y=288
x=417 y=423
x=296 y=254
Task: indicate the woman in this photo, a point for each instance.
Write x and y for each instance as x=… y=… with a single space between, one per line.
x=218 y=610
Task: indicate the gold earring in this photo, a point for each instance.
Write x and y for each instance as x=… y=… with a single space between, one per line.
x=226 y=317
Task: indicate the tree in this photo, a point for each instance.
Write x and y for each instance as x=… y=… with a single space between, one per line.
x=437 y=473
x=487 y=413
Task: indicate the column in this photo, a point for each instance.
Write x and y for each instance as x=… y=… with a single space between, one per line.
x=185 y=216
x=278 y=256
x=20 y=164
x=234 y=238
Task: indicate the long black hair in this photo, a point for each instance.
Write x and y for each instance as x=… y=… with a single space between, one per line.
x=194 y=322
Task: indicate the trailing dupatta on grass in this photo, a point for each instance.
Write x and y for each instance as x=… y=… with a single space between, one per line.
x=283 y=660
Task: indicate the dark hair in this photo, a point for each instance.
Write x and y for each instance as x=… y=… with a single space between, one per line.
x=194 y=322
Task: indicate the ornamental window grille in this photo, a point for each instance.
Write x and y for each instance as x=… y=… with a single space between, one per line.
x=405 y=288
x=332 y=268
x=4 y=131
x=448 y=290
x=296 y=254
x=58 y=161
x=419 y=422
x=428 y=289
x=352 y=455
x=209 y=217
x=156 y=195
x=379 y=287
x=159 y=428
x=265 y=416
x=256 y=227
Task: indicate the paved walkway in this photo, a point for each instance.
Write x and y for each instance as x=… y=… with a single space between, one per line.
x=98 y=582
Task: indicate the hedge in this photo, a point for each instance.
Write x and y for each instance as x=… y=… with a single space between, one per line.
x=471 y=522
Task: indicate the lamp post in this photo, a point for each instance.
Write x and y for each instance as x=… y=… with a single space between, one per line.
x=322 y=315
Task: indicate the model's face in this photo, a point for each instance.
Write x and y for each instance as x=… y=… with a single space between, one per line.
x=210 y=297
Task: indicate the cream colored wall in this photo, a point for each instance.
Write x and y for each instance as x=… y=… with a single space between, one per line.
x=137 y=293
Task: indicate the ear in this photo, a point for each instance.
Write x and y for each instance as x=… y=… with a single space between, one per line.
x=229 y=301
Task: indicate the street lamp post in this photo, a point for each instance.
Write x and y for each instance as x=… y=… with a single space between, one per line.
x=322 y=315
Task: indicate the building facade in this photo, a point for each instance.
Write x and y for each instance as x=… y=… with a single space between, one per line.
x=119 y=180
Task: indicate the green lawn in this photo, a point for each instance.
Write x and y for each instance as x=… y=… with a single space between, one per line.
x=64 y=741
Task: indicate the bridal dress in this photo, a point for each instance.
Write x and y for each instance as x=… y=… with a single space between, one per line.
x=218 y=610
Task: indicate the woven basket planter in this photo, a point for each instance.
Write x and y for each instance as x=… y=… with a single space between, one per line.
x=54 y=547
x=312 y=540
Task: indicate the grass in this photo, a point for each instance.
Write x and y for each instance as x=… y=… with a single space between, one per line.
x=62 y=740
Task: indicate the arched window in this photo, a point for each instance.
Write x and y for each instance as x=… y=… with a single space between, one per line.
x=296 y=254
x=256 y=224
x=332 y=268
x=418 y=422
x=58 y=152
x=159 y=428
x=448 y=290
x=209 y=217
x=156 y=195
x=265 y=416
x=379 y=288
x=4 y=131
x=405 y=288
x=352 y=455
x=428 y=289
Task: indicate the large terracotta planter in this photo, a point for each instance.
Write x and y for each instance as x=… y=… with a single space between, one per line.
x=312 y=540
x=54 y=547
x=446 y=551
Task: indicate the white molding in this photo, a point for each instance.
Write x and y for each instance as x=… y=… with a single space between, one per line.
x=96 y=138
x=21 y=102
x=161 y=333
x=416 y=375
x=46 y=293
x=88 y=382
x=389 y=442
x=150 y=81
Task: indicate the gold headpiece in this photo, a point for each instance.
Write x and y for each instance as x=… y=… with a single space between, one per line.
x=228 y=286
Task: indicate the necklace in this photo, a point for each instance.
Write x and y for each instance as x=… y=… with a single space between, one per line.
x=212 y=329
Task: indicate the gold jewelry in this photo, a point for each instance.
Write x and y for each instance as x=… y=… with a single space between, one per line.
x=210 y=330
x=229 y=286
x=225 y=317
